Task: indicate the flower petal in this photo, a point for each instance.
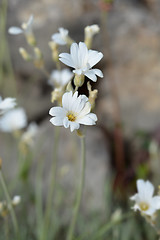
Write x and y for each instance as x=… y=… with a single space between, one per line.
x=74 y=54
x=98 y=72
x=57 y=121
x=57 y=111
x=91 y=75
x=94 y=57
x=88 y=119
x=73 y=126
x=66 y=122
x=15 y=30
x=156 y=202
x=66 y=59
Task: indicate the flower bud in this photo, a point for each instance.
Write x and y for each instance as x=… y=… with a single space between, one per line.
x=26 y=56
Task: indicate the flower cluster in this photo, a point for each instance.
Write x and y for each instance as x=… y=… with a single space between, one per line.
x=74 y=110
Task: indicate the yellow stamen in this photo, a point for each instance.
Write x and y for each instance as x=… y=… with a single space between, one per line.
x=144 y=206
x=71 y=117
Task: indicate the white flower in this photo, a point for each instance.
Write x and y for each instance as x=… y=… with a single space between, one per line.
x=26 y=28
x=16 y=200
x=90 y=31
x=29 y=134
x=61 y=37
x=82 y=60
x=13 y=120
x=144 y=200
x=60 y=78
x=74 y=111
x=7 y=104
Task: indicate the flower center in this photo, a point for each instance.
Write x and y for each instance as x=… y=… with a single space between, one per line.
x=71 y=117
x=144 y=206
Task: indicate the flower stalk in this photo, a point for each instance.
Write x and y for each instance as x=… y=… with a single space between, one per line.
x=79 y=192
x=13 y=215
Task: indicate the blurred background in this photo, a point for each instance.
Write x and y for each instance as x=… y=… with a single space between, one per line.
x=124 y=145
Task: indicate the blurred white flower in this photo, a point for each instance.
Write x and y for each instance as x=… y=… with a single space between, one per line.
x=30 y=133
x=144 y=200
x=61 y=37
x=7 y=104
x=13 y=120
x=26 y=28
x=16 y=200
x=60 y=78
x=90 y=31
x=82 y=60
x=74 y=111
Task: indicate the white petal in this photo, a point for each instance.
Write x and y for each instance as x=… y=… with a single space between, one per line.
x=84 y=111
x=98 y=72
x=58 y=39
x=149 y=189
x=57 y=111
x=150 y=211
x=57 y=121
x=88 y=120
x=66 y=100
x=66 y=59
x=73 y=126
x=74 y=54
x=91 y=75
x=78 y=71
x=15 y=30
x=134 y=197
x=66 y=122
x=83 y=54
x=156 y=202
x=94 y=57
x=30 y=22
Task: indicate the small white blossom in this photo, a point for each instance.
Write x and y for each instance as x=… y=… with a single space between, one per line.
x=7 y=104
x=30 y=133
x=61 y=37
x=82 y=60
x=75 y=110
x=60 y=78
x=144 y=200
x=13 y=120
x=26 y=28
x=16 y=200
x=90 y=31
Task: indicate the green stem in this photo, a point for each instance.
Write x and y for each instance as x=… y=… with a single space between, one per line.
x=13 y=216
x=98 y=234
x=39 y=198
x=52 y=185
x=6 y=228
x=110 y=225
x=79 y=193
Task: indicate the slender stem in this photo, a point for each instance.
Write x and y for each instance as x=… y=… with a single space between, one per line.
x=6 y=228
x=98 y=234
x=52 y=185
x=39 y=202
x=110 y=225
x=13 y=215
x=79 y=193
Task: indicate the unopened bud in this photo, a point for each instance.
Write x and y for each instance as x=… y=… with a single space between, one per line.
x=69 y=87
x=55 y=52
x=90 y=31
x=31 y=40
x=16 y=200
x=78 y=80
x=38 y=62
x=26 y=56
x=92 y=95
